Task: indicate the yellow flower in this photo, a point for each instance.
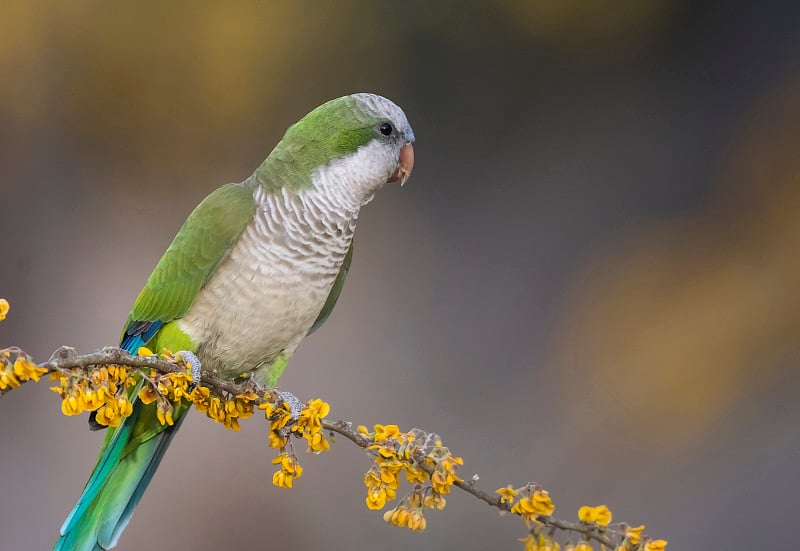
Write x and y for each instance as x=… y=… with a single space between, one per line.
x=583 y=546
x=124 y=406
x=376 y=497
x=530 y=543
x=73 y=405
x=147 y=394
x=600 y=514
x=385 y=432
x=290 y=470
x=107 y=416
x=540 y=543
x=244 y=407
x=507 y=494
x=26 y=370
x=435 y=501
x=216 y=410
x=21 y=369
x=282 y=480
x=397 y=516
x=655 y=545
x=232 y=423
x=118 y=373
x=312 y=415
x=276 y=440
x=318 y=443
x=416 y=521
x=634 y=534
x=200 y=398
x=414 y=475
x=441 y=483
x=309 y=425
x=278 y=415
x=164 y=413
x=4 y=307
x=538 y=503
x=8 y=379
x=93 y=399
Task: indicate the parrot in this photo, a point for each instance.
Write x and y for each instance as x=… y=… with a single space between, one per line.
x=255 y=268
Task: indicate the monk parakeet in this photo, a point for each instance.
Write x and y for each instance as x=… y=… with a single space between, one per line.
x=255 y=268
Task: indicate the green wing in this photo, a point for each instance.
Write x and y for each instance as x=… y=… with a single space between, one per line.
x=202 y=244
x=336 y=290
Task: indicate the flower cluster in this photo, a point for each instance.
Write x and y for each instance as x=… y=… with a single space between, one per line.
x=16 y=366
x=100 y=389
x=289 y=471
x=425 y=463
x=540 y=542
x=534 y=502
x=649 y=545
x=226 y=410
x=308 y=425
x=278 y=414
x=599 y=515
x=635 y=542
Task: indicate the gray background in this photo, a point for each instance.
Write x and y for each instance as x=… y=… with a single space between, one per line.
x=591 y=280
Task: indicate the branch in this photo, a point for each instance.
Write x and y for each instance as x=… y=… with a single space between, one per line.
x=64 y=361
x=588 y=531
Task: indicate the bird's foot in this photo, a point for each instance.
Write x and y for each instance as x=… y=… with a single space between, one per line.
x=295 y=407
x=191 y=360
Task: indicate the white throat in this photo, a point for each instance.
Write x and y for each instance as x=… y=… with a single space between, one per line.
x=350 y=182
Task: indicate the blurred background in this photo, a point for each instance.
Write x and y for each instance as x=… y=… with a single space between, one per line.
x=592 y=280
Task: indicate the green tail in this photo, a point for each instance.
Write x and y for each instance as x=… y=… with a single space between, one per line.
x=129 y=458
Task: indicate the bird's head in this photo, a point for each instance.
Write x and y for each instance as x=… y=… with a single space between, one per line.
x=348 y=147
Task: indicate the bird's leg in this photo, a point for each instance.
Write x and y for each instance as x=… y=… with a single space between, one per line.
x=295 y=405
x=189 y=358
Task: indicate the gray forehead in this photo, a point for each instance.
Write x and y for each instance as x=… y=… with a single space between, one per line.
x=382 y=107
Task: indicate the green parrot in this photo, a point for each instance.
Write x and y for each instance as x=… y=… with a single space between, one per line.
x=255 y=268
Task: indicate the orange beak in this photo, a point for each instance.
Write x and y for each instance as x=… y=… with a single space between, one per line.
x=405 y=164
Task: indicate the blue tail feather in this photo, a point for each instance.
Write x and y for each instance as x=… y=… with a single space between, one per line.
x=127 y=464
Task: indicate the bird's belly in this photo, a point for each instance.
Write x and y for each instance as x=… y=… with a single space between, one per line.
x=260 y=303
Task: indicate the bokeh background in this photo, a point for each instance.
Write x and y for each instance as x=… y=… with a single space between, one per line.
x=592 y=280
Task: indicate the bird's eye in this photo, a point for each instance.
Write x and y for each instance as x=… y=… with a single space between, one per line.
x=385 y=128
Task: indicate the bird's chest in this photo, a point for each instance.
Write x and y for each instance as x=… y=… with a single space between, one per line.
x=265 y=296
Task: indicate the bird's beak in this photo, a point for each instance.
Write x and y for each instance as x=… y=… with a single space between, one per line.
x=405 y=164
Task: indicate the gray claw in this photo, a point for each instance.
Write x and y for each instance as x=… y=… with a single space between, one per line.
x=194 y=363
x=295 y=405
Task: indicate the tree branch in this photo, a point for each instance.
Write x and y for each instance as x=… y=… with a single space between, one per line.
x=65 y=359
